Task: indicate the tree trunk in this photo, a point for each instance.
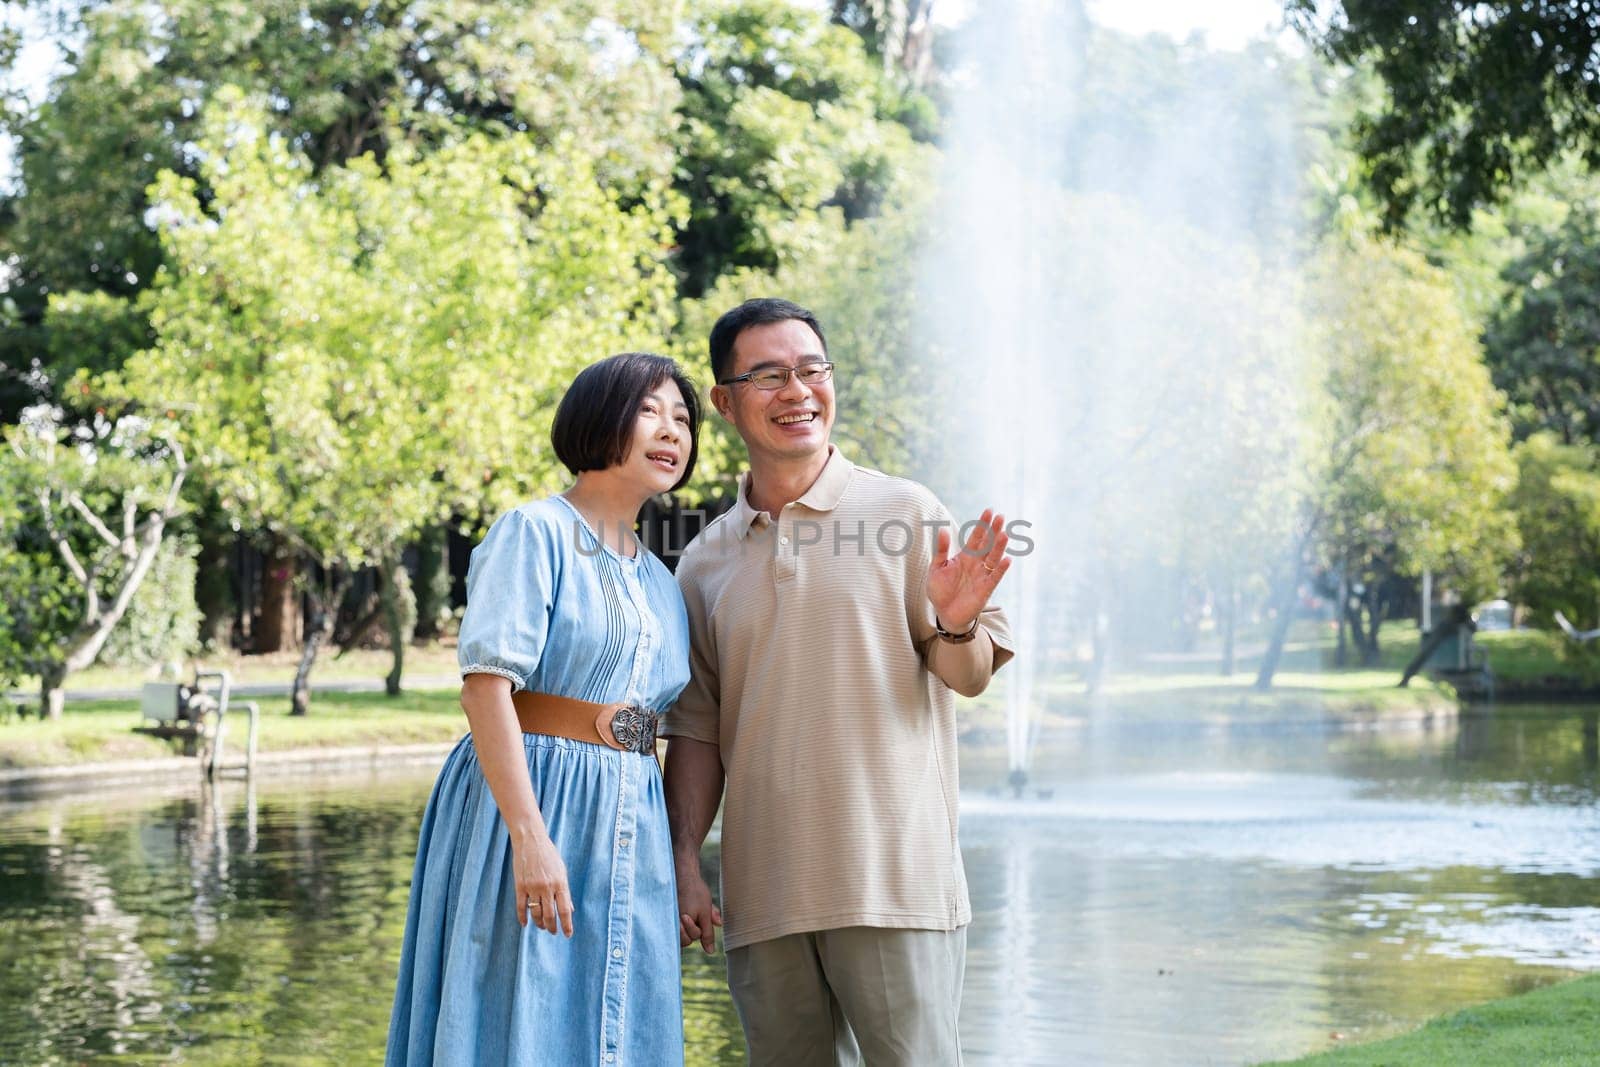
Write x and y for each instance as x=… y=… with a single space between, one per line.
x=1100 y=655
x=1339 y=615
x=85 y=643
x=323 y=616
x=1376 y=605
x=1099 y=638
x=1230 y=618
x=52 y=697
x=300 y=698
x=1287 y=592
x=1350 y=613
x=280 y=601
x=1280 y=633
x=400 y=612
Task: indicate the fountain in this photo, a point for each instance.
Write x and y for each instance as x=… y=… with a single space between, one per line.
x=1106 y=292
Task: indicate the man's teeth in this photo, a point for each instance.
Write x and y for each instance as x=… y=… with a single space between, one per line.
x=787 y=420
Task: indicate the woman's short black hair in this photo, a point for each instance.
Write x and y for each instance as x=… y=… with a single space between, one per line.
x=593 y=428
x=757 y=312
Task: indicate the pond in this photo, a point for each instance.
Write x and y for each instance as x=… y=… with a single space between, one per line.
x=1159 y=895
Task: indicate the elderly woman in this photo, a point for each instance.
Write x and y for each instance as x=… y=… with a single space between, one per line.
x=543 y=923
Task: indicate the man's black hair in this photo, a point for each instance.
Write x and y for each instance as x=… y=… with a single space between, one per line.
x=757 y=312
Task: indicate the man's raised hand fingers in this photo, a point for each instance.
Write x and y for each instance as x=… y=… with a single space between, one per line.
x=977 y=542
x=997 y=548
x=941 y=546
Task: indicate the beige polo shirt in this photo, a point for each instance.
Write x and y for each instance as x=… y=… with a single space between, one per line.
x=816 y=669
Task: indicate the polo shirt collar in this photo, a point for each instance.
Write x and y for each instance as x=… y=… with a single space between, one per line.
x=824 y=494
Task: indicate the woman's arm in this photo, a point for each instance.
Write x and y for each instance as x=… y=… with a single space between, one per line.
x=540 y=873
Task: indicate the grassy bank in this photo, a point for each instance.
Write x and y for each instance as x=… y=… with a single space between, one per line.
x=1189 y=687
x=1556 y=1026
x=1534 y=656
x=1183 y=687
x=103 y=730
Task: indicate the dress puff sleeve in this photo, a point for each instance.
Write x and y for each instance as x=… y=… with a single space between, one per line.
x=511 y=583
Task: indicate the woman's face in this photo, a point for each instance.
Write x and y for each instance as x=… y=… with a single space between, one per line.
x=661 y=438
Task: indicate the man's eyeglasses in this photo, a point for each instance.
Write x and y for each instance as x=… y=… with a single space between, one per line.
x=768 y=379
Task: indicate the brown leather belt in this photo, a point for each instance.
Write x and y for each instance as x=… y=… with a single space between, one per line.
x=627 y=727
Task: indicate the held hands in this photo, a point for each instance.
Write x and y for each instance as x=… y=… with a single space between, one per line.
x=542 y=885
x=698 y=918
x=959 y=586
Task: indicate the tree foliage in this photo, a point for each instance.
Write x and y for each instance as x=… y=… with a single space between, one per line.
x=1414 y=464
x=1478 y=95
x=1557 y=508
x=784 y=114
x=86 y=523
x=343 y=81
x=391 y=356
x=1543 y=345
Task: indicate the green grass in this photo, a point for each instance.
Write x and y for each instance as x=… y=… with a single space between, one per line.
x=1555 y=1026
x=1527 y=655
x=97 y=731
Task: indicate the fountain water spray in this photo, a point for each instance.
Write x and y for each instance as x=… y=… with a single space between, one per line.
x=1106 y=306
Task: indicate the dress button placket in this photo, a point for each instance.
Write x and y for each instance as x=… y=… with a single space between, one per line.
x=621 y=918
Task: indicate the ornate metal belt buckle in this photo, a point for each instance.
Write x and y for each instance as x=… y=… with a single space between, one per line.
x=634 y=728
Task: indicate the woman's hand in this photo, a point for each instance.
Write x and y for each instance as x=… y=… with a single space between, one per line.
x=542 y=884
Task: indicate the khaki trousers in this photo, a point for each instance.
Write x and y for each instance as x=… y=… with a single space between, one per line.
x=861 y=994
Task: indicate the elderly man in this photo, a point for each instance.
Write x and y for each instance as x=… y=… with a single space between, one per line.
x=830 y=625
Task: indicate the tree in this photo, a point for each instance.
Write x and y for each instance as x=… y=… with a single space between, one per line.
x=72 y=481
x=1413 y=466
x=1557 y=508
x=1478 y=95
x=899 y=32
x=364 y=351
x=1543 y=345
x=344 y=81
x=783 y=114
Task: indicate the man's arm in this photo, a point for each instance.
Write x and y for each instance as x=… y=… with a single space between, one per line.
x=968 y=667
x=693 y=783
x=958 y=588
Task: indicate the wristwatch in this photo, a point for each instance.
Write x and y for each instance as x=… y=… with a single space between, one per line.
x=955 y=639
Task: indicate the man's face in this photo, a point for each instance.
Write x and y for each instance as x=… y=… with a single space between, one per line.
x=789 y=423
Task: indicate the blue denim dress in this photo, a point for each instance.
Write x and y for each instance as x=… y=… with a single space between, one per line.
x=555 y=612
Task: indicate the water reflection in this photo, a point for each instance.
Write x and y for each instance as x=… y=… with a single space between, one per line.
x=1179 y=896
